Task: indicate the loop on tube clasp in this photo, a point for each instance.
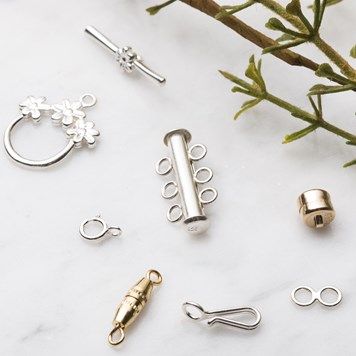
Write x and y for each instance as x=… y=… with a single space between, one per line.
x=160 y=169
x=112 y=230
x=154 y=276
x=205 y=192
x=197 y=147
x=174 y=213
x=114 y=331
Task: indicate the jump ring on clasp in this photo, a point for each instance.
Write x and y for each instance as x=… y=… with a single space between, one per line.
x=195 y=306
x=113 y=230
x=154 y=276
x=198 y=157
x=160 y=163
x=113 y=332
x=200 y=171
x=204 y=192
x=166 y=194
x=87 y=100
x=170 y=215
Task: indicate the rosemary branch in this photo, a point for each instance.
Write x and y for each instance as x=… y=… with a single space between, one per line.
x=211 y=8
x=330 y=52
x=258 y=90
x=306 y=32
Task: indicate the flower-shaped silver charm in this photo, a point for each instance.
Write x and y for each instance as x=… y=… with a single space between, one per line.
x=32 y=107
x=126 y=58
x=67 y=112
x=83 y=131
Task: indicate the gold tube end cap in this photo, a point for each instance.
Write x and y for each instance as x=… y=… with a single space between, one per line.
x=315 y=208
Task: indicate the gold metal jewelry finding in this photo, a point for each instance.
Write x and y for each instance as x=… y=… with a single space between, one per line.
x=315 y=208
x=131 y=306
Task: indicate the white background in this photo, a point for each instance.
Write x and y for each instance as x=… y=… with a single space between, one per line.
x=59 y=293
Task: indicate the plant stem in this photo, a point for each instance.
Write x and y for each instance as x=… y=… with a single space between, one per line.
x=331 y=53
x=281 y=11
x=310 y=118
x=335 y=57
x=211 y=8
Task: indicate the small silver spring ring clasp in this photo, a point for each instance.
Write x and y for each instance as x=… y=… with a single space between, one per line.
x=106 y=229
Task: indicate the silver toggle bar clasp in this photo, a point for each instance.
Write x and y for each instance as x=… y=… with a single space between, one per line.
x=126 y=57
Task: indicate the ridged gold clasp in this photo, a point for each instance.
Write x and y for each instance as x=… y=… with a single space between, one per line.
x=132 y=305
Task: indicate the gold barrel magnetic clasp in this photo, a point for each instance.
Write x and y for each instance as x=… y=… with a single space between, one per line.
x=131 y=306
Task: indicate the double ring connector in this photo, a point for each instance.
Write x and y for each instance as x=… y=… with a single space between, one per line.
x=316 y=296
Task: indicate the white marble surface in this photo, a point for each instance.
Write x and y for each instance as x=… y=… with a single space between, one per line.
x=58 y=293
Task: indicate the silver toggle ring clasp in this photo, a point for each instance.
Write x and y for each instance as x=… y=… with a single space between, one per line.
x=69 y=115
x=112 y=230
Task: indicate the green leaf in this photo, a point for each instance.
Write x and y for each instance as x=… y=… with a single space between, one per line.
x=285 y=37
x=321 y=89
x=351 y=143
x=332 y=2
x=246 y=106
x=294 y=8
x=237 y=89
x=154 y=9
x=254 y=73
x=353 y=52
x=299 y=134
x=349 y=164
x=235 y=79
x=325 y=70
x=277 y=25
x=230 y=76
x=228 y=10
x=328 y=3
x=283 y=46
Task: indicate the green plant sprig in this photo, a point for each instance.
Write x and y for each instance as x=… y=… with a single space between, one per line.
x=258 y=90
x=302 y=31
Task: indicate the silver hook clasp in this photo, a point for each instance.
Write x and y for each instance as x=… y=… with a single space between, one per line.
x=201 y=314
x=112 y=230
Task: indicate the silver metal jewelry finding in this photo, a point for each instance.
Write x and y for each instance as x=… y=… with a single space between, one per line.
x=216 y=316
x=188 y=179
x=105 y=231
x=69 y=115
x=316 y=296
x=127 y=58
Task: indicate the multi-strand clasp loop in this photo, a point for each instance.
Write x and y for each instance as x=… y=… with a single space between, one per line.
x=187 y=181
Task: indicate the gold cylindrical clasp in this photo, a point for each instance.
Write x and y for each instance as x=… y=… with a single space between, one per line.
x=315 y=208
x=131 y=306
